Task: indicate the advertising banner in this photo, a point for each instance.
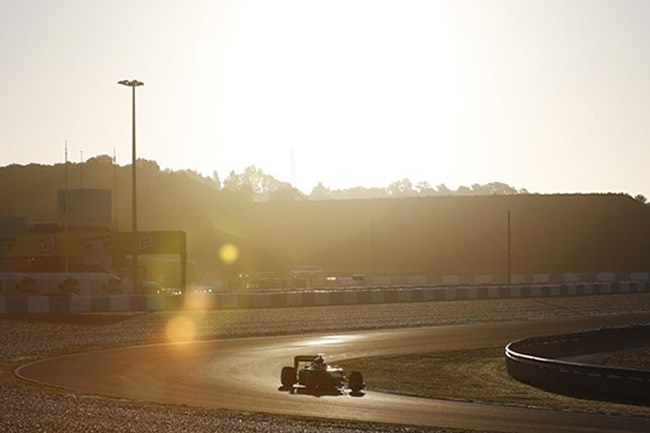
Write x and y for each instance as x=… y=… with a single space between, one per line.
x=92 y=243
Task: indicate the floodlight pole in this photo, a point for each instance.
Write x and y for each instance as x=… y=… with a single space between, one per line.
x=133 y=84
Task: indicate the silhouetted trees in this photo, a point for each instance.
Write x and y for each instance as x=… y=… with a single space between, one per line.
x=261 y=186
x=401 y=188
x=406 y=188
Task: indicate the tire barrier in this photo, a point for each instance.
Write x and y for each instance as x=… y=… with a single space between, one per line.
x=304 y=298
x=535 y=361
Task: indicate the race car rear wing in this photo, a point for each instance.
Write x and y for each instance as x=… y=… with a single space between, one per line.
x=302 y=358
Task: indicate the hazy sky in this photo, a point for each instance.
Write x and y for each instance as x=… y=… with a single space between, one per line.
x=549 y=95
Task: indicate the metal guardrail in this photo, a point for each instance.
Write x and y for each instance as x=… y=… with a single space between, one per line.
x=533 y=361
x=245 y=299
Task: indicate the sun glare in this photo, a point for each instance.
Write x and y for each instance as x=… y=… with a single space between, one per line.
x=180 y=329
x=199 y=302
x=229 y=253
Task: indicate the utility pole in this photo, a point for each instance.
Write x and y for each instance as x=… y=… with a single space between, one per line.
x=65 y=208
x=115 y=187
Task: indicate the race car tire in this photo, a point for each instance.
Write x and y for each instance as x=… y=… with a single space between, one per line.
x=356 y=381
x=288 y=377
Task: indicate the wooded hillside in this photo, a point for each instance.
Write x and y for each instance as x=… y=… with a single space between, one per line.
x=414 y=235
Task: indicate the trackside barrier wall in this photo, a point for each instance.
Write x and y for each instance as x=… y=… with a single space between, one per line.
x=46 y=284
x=534 y=361
x=96 y=284
x=305 y=298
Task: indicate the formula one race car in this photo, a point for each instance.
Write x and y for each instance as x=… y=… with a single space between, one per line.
x=311 y=372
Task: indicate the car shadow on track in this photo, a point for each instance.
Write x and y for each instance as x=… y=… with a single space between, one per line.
x=319 y=392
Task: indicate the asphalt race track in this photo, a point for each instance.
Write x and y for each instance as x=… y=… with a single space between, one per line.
x=244 y=375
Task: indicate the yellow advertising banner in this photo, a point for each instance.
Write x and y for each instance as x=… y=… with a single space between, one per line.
x=92 y=243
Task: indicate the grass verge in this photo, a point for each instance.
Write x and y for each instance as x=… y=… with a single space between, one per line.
x=477 y=375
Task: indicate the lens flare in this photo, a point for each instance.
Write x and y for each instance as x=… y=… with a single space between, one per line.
x=198 y=302
x=180 y=329
x=229 y=253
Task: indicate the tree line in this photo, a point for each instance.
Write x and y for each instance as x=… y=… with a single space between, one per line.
x=261 y=186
